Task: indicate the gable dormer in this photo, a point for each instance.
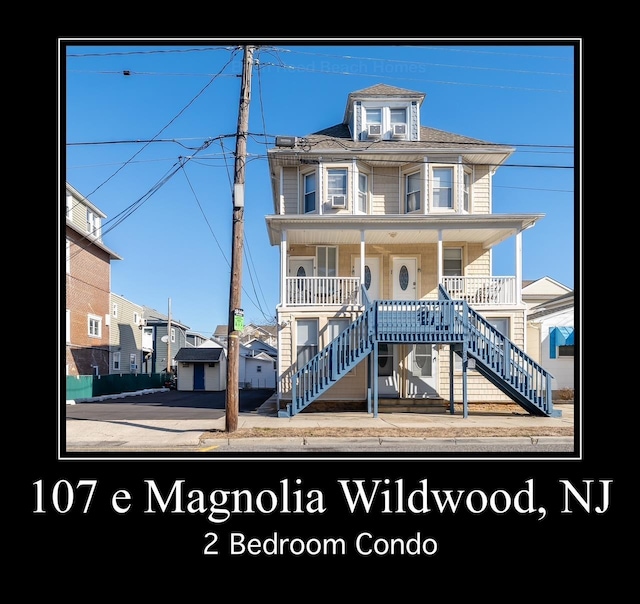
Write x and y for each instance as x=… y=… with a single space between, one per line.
x=384 y=112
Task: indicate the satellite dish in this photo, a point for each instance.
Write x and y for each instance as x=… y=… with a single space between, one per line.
x=165 y=339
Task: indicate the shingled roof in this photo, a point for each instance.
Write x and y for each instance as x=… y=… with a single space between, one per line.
x=199 y=355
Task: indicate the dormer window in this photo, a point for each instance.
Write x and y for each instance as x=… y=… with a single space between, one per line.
x=398 y=123
x=374 y=123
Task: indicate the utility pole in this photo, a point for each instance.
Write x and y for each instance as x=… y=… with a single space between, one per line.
x=169 y=337
x=236 y=315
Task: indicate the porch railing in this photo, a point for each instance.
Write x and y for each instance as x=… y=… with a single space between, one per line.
x=482 y=290
x=322 y=291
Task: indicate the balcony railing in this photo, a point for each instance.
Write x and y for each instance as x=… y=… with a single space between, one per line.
x=322 y=291
x=481 y=290
x=340 y=291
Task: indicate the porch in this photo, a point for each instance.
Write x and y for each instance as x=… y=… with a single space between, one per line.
x=341 y=291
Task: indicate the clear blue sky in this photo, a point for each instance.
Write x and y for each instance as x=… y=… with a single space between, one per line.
x=168 y=202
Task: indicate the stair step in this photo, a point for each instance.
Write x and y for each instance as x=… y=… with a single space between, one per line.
x=431 y=405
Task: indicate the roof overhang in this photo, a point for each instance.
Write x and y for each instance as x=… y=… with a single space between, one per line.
x=312 y=229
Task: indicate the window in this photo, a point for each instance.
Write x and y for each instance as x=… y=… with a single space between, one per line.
x=374 y=116
x=310 y=193
x=133 y=362
x=307 y=340
x=466 y=191
x=442 y=188
x=93 y=223
x=68 y=257
x=136 y=318
x=565 y=351
x=412 y=192
x=337 y=187
x=95 y=326
x=398 y=122
x=116 y=361
x=385 y=360
x=362 y=194
x=452 y=261
x=173 y=335
x=327 y=262
x=69 y=205
x=259 y=369
x=114 y=310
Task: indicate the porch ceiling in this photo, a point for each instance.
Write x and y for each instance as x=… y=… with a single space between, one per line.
x=488 y=230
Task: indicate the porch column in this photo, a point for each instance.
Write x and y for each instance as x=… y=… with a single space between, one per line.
x=283 y=268
x=439 y=262
x=519 y=267
x=362 y=257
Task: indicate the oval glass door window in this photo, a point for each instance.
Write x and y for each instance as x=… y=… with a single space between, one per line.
x=403 y=277
x=367 y=277
x=301 y=272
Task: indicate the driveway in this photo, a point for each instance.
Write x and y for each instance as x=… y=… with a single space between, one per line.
x=168 y=404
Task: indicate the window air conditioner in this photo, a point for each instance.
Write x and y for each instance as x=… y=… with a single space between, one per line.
x=399 y=130
x=374 y=130
x=338 y=201
x=134 y=367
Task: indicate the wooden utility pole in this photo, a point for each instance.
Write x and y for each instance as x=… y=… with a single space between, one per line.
x=235 y=321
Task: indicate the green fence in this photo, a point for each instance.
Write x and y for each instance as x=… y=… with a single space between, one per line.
x=88 y=386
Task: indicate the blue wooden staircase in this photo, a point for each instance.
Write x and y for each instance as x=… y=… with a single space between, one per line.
x=443 y=321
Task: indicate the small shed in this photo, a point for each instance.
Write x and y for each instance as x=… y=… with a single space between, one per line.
x=202 y=368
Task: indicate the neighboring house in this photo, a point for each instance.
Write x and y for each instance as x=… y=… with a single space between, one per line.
x=551 y=339
x=202 y=368
x=131 y=339
x=385 y=230
x=260 y=346
x=256 y=369
x=538 y=291
x=169 y=335
x=195 y=339
x=264 y=333
x=87 y=287
x=221 y=334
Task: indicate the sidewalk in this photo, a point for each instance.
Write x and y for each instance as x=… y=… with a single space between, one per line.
x=309 y=431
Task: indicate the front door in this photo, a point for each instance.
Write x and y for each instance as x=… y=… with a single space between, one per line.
x=198 y=376
x=404 y=279
x=299 y=290
x=421 y=371
x=371 y=280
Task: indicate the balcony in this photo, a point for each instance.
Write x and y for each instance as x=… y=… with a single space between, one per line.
x=482 y=290
x=341 y=291
x=322 y=291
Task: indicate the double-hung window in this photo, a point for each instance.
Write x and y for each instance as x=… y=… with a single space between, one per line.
x=443 y=188
x=337 y=187
x=362 y=194
x=466 y=191
x=94 y=324
x=310 y=192
x=306 y=340
x=412 y=199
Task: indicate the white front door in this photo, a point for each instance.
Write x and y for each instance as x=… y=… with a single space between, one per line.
x=422 y=369
x=404 y=279
x=371 y=279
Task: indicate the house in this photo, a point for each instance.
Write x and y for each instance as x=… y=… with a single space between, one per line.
x=538 y=291
x=131 y=340
x=264 y=333
x=169 y=335
x=551 y=339
x=385 y=231
x=202 y=368
x=257 y=368
x=87 y=287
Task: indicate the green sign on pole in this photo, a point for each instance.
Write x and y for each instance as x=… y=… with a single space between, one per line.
x=238 y=319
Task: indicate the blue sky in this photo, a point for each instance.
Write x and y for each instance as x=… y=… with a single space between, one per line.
x=154 y=149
